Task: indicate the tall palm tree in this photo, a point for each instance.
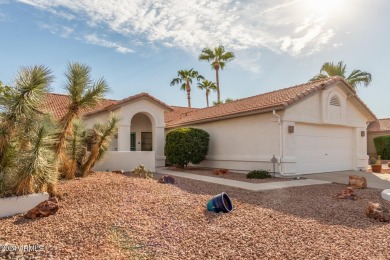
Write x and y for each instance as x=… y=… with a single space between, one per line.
x=356 y=78
x=184 y=77
x=218 y=57
x=208 y=86
x=83 y=93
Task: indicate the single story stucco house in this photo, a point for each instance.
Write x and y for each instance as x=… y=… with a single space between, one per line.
x=381 y=127
x=318 y=126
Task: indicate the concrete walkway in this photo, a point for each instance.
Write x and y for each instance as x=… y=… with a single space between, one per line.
x=241 y=184
x=374 y=180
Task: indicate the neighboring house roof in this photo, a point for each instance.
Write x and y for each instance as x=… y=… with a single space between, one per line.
x=381 y=125
x=58 y=104
x=275 y=100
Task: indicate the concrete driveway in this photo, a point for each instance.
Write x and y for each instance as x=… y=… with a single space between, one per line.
x=374 y=180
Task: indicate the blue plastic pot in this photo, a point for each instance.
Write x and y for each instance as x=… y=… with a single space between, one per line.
x=220 y=202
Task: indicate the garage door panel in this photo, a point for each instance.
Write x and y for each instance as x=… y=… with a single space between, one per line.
x=323 y=148
x=330 y=142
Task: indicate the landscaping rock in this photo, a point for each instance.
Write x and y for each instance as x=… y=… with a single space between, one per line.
x=347 y=194
x=378 y=212
x=43 y=209
x=221 y=171
x=119 y=171
x=167 y=179
x=357 y=182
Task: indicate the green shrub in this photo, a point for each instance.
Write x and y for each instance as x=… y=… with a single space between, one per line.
x=258 y=174
x=142 y=172
x=382 y=146
x=186 y=145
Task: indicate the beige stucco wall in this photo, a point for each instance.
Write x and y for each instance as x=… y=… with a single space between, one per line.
x=141 y=115
x=315 y=109
x=126 y=161
x=249 y=142
x=244 y=143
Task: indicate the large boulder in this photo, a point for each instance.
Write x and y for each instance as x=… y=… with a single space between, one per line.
x=347 y=194
x=378 y=212
x=43 y=209
x=357 y=182
x=221 y=171
x=167 y=179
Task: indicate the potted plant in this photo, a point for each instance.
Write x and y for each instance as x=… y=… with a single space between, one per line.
x=376 y=164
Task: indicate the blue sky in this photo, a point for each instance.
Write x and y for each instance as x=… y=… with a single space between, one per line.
x=138 y=46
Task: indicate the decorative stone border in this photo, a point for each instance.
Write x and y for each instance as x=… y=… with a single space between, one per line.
x=386 y=194
x=20 y=204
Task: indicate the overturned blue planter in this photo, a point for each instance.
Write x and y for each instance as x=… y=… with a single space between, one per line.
x=220 y=202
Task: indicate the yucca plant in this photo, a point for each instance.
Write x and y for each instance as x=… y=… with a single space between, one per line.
x=101 y=136
x=83 y=93
x=22 y=104
x=75 y=151
x=36 y=165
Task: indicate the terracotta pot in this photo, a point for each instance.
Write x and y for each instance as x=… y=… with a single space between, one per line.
x=376 y=168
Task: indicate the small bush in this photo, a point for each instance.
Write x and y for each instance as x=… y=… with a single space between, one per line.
x=142 y=172
x=186 y=145
x=382 y=146
x=258 y=174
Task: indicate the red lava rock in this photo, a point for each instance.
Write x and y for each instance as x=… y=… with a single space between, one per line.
x=167 y=179
x=347 y=194
x=43 y=209
x=357 y=182
x=221 y=171
x=378 y=212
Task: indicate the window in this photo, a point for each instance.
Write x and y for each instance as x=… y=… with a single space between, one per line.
x=132 y=142
x=335 y=101
x=146 y=141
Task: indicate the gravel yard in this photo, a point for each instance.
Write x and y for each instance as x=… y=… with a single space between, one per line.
x=112 y=216
x=230 y=175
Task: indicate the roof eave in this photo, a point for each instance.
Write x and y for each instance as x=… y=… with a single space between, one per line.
x=247 y=113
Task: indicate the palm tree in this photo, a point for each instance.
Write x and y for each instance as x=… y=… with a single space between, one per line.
x=184 y=77
x=83 y=93
x=218 y=57
x=356 y=78
x=208 y=86
x=101 y=135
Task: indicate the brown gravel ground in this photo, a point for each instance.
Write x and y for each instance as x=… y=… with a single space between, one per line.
x=112 y=216
x=231 y=175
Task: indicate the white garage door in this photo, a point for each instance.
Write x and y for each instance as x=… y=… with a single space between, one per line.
x=323 y=148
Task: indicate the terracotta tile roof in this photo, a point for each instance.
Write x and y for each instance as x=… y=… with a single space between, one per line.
x=380 y=125
x=126 y=100
x=278 y=100
x=57 y=104
x=177 y=112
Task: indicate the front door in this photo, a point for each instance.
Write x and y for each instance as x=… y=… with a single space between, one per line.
x=132 y=142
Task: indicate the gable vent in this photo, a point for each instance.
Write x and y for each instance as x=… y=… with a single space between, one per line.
x=335 y=101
